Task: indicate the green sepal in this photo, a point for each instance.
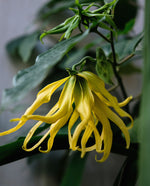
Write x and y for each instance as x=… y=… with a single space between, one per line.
x=58 y=29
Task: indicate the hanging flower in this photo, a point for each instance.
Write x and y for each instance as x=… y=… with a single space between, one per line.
x=94 y=108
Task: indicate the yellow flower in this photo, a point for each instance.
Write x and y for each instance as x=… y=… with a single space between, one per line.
x=92 y=113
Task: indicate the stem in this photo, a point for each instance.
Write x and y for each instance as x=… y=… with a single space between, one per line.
x=126 y=59
x=83 y=61
x=115 y=71
x=113 y=88
x=101 y=35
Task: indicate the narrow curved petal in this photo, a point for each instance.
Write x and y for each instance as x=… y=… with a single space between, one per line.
x=35 y=127
x=20 y=124
x=98 y=86
x=123 y=113
x=72 y=121
x=83 y=105
x=65 y=104
x=108 y=103
x=42 y=97
x=54 y=130
x=91 y=128
x=37 y=144
x=115 y=119
x=106 y=130
x=125 y=102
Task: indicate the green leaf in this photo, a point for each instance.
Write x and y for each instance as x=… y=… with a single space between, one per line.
x=128 y=26
x=124 y=47
x=23 y=46
x=144 y=160
x=124 y=12
x=74 y=170
x=13 y=151
x=27 y=45
x=29 y=78
x=135 y=134
x=103 y=67
x=13 y=45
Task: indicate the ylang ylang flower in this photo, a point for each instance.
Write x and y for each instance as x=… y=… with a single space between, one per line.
x=86 y=107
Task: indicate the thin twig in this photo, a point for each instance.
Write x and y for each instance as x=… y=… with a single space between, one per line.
x=125 y=59
x=114 y=65
x=136 y=97
x=101 y=35
x=113 y=88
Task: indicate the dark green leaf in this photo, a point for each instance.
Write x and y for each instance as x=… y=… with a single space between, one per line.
x=29 y=78
x=124 y=47
x=144 y=160
x=13 y=45
x=27 y=45
x=74 y=170
x=128 y=26
x=135 y=134
x=125 y=11
x=13 y=151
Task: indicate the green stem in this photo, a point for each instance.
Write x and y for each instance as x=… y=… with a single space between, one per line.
x=101 y=35
x=125 y=59
x=114 y=64
x=82 y=62
x=113 y=88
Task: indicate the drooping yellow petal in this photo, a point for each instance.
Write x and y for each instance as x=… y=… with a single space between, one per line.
x=54 y=130
x=65 y=104
x=119 y=122
x=38 y=124
x=83 y=105
x=37 y=144
x=91 y=128
x=108 y=103
x=98 y=86
x=123 y=113
x=115 y=119
x=125 y=102
x=42 y=97
x=87 y=134
x=20 y=124
x=72 y=121
x=106 y=130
